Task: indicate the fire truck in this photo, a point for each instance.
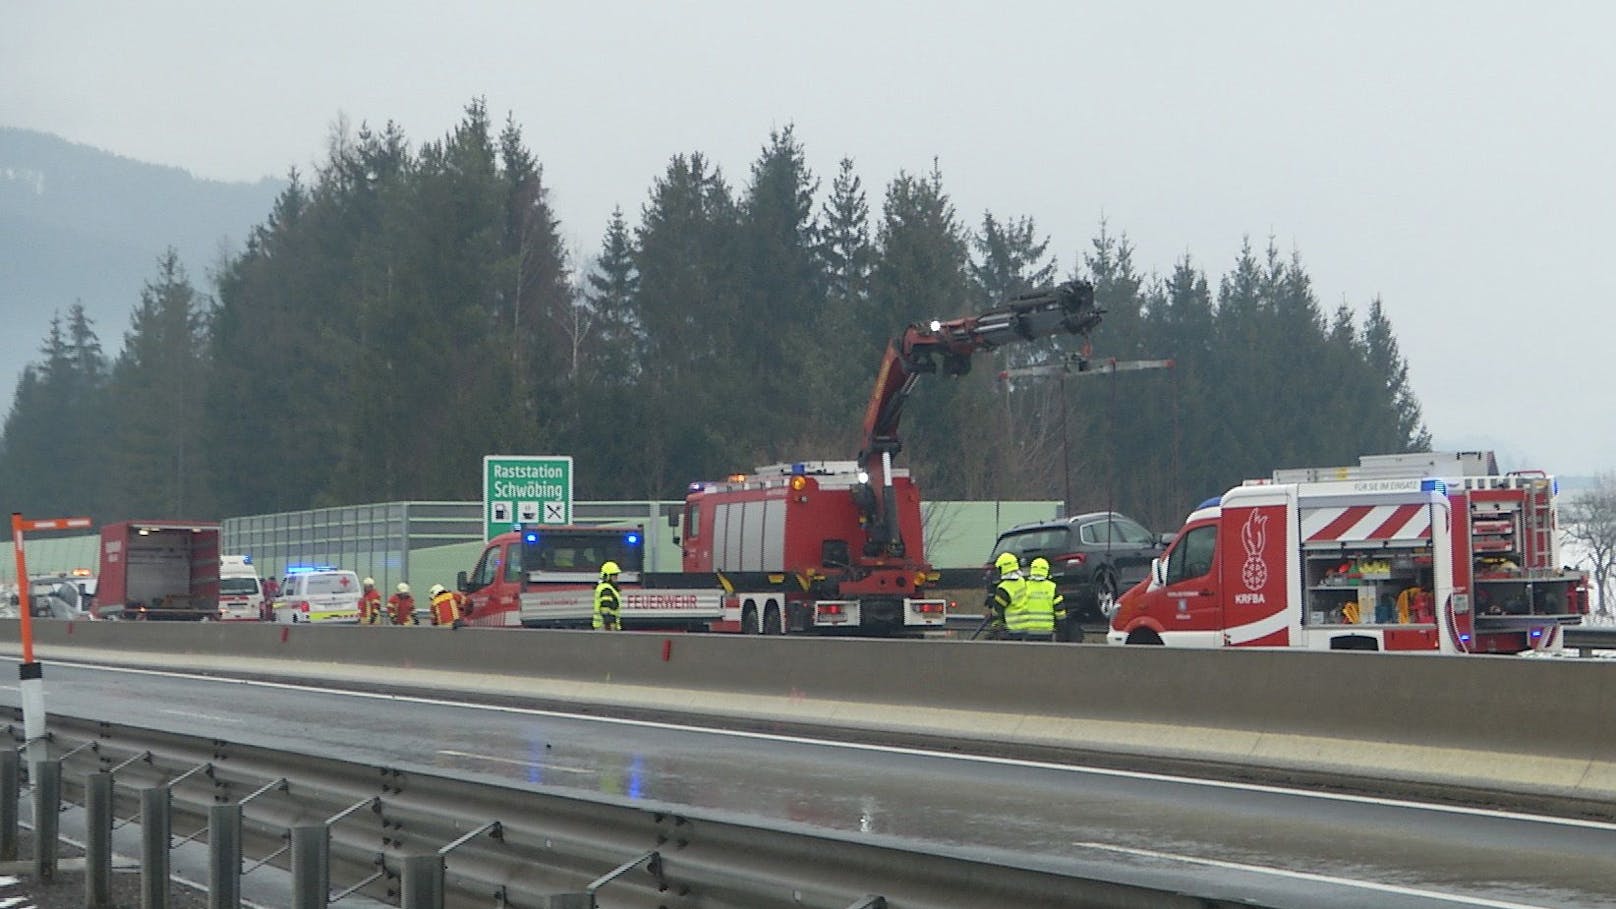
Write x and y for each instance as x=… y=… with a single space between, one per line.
x=836 y=546
x=806 y=546
x=1428 y=551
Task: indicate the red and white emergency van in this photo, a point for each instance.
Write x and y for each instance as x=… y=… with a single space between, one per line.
x=1362 y=559
x=544 y=577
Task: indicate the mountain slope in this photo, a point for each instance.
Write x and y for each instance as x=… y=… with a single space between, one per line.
x=81 y=224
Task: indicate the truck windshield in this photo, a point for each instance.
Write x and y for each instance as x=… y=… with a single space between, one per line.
x=579 y=551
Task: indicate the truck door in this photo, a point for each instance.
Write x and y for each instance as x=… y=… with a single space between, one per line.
x=491 y=598
x=1191 y=590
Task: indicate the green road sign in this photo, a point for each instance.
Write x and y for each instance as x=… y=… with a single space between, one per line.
x=525 y=489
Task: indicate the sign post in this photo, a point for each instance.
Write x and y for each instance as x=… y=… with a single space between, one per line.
x=525 y=489
x=30 y=674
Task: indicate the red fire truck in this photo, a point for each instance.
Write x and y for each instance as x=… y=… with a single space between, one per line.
x=820 y=546
x=1429 y=551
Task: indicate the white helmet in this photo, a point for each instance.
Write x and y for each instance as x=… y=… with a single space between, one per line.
x=403 y=587
x=369 y=583
x=436 y=589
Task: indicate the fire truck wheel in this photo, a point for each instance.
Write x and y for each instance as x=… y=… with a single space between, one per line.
x=1144 y=636
x=749 y=620
x=772 y=622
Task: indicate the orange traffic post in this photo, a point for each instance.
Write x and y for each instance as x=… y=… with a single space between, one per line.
x=30 y=674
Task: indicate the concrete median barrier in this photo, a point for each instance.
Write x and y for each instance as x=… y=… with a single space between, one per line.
x=1538 y=727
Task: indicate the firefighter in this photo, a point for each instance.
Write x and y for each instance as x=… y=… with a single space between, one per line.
x=608 y=599
x=370 y=603
x=447 y=606
x=402 y=605
x=1040 y=606
x=1007 y=595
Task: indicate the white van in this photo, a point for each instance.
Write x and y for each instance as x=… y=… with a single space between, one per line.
x=241 y=596
x=321 y=595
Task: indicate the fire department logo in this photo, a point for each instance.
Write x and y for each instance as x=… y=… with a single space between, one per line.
x=1253 y=536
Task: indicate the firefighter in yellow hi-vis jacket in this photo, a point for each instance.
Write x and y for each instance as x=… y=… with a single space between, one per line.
x=608 y=599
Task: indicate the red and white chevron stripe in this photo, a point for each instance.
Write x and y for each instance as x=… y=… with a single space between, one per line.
x=1356 y=523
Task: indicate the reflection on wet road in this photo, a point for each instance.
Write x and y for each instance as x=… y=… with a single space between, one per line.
x=1056 y=816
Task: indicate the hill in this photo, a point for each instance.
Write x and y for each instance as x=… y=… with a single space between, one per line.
x=81 y=224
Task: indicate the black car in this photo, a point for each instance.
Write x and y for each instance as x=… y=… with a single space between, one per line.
x=1092 y=557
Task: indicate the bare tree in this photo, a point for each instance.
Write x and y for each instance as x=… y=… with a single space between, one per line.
x=1590 y=519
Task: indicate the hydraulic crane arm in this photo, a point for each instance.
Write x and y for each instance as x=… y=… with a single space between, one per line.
x=947 y=347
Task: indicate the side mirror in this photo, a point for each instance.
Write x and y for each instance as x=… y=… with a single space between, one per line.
x=1158 y=572
x=460 y=581
x=1166 y=539
x=673 y=519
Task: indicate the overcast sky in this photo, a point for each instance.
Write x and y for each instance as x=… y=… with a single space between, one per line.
x=1453 y=158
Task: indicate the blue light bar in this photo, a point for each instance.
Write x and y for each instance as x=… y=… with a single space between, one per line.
x=1432 y=484
x=798 y=469
x=304 y=569
x=632 y=539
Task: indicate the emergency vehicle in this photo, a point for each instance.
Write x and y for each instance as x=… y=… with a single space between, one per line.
x=241 y=597
x=808 y=546
x=836 y=546
x=1431 y=551
x=545 y=577
x=159 y=570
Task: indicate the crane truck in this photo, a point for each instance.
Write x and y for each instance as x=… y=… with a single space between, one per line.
x=800 y=546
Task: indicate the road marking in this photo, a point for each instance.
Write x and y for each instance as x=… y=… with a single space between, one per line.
x=193 y=715
x=1605 y=826
x=541 y=765
x=1316 y=878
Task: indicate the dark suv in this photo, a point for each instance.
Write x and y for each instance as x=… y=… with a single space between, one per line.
x=1092 y=558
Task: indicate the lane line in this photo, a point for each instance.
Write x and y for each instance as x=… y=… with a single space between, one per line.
x=530 y=765
x=1315 y=878
x=1461 y=810
x=193 y=715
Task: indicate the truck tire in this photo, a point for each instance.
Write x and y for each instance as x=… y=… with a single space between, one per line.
x=773 y=620
x=1144 y=636
x=749 y=620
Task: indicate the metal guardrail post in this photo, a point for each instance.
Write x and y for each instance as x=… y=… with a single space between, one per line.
x=311 y=866
x=10 y=791
x=47 y=815
x=585 y=898
x=98 y=841
x=154 y=836
x=224 y=856
x=422 y=881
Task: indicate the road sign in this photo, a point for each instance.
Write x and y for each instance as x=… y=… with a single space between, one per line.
x=525 y=489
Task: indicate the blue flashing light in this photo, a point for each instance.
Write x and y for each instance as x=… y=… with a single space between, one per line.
x=305 y=569
x=531 y=537
x=799 y=469
x=1537 y=632
x=1432 y=484
x=632 y=539
x=1464 y=637
x=246 y=559
x=694 y=487
x=1554 y=485
x=1215 y=500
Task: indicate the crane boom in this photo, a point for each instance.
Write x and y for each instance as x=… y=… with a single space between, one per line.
x=947 y=347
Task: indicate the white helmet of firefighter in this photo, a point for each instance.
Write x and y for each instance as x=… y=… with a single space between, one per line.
x=436 y=589
x=403 y=587
x=369 y=583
